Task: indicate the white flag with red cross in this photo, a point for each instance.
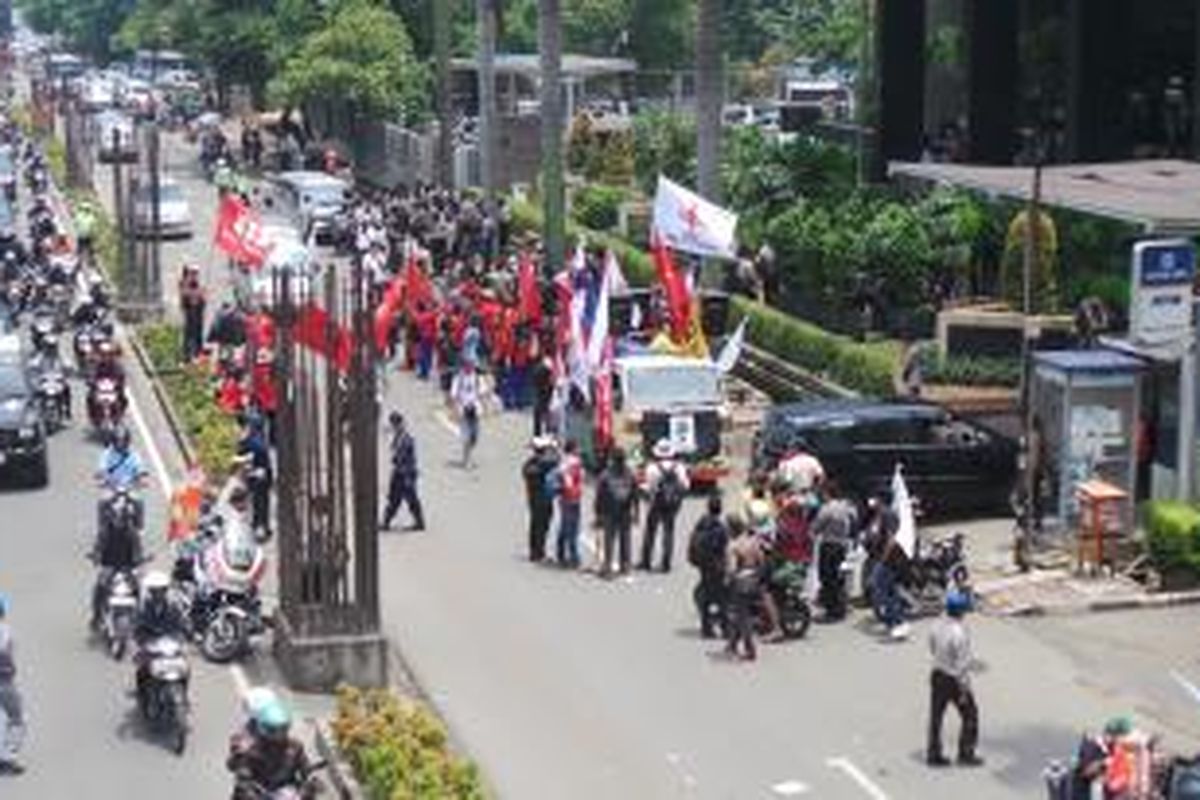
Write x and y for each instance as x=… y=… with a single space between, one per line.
x=691 y=224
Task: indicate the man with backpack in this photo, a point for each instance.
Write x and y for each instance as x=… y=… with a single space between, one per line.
x=616 y=508
x=666 y=486
x=706 y=552
x=538 y=472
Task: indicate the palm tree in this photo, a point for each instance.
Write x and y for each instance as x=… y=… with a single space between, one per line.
x=553 y=192
x=443 y=22
x=487 y=11
x=710 y=97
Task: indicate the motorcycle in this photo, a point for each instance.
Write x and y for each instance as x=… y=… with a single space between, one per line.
x=44 y=331
x=218 y=576
x=53 y=394
x=786 y=585
x=106 y=407
x=163 y=693
x=118 y=611
x=309 y=788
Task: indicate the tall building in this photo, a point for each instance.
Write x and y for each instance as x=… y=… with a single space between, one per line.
x=1100 y=80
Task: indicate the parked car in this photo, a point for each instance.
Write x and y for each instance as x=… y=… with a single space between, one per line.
x=174 y=213
x=115 y=137
x=953 y=466
x=22 y=432
x=313 y=200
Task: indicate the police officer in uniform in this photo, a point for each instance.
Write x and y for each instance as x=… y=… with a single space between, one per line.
x=403 y=485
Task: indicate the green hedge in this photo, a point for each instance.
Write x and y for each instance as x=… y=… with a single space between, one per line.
x=212 y=432
x=597 y=206
x=1173 y=534
x=635 y=262
x=867 y=368
x=968 y=370
x=399 y=750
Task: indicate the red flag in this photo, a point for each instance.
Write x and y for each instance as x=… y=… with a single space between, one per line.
x=562 y=304
x=417 y=287
x=239 y=232
x=313 y=331
x=529 y=295
x=604 y=398
x=384 y=319
x=262 y=330
x=679 y=303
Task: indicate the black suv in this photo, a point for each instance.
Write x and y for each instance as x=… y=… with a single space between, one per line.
x=951 y=465
x=22 y=434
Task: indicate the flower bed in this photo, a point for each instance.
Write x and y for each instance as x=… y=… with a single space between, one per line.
x=399 y=750
x=212 y=432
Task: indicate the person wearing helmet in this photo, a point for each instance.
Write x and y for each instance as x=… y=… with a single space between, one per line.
x=158 y=617
x=243 y=739
x=274 y=761
x=119 y=462
x=950 y=683
x=402 y=486
x=11 y=707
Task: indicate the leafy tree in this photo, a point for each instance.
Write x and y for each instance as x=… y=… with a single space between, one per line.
x=664 y=144
x=363 y=57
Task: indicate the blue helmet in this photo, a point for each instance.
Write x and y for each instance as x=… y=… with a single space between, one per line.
x=273 y=717
x=957 y=603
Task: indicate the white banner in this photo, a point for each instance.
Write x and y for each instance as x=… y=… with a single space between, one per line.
x=689 y=223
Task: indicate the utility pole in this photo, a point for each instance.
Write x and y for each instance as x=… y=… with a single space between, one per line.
x=443 y=22
x=1033 y=225
x=710 y=97
x=554 y=233
x=486 y=12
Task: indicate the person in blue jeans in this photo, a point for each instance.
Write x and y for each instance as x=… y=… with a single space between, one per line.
x=885 y=593
x=570 y=498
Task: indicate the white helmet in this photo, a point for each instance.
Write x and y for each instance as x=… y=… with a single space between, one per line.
x=156 y=581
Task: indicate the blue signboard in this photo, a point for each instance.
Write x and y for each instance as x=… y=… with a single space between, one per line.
x=1166 y=263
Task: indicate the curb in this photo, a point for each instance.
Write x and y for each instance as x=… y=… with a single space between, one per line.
x=182 y=441
x=1127 y=603
x=340 y=774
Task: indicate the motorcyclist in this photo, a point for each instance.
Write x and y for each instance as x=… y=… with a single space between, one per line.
x=157 y=618
x=85 y=228
x=107 y=367
x=243 y=740
x=118 y=548
x=120 y=467
x=275 y=760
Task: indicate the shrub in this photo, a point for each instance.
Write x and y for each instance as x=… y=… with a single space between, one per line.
x=399 y=750
x=1173 y=534
x=865 y=368
x=597 y=206
x=969 y=370
x=635 y=262
x=212 y=432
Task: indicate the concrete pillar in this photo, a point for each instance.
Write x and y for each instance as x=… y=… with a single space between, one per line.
x=900 y=32
x=1097 y=58
x=991 y=28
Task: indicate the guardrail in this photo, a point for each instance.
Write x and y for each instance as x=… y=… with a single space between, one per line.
x=784 y=382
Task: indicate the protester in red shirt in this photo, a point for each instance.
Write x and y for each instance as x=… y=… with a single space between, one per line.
x=231 y=393
x=570 y=500
x=426 y=325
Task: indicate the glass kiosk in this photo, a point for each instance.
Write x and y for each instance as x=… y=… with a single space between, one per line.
x=1086 y=403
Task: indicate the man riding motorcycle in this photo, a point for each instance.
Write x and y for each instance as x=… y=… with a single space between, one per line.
x=120 y=467
x=107 y=367
x=117 y=548
x=274 y=760
x=157 y=618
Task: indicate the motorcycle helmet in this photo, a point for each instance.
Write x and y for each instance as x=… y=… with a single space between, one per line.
x=256 y=699
x=121 y=438
x=273 y=720
x=156 y=582
x=957 y=603
x=758 y=515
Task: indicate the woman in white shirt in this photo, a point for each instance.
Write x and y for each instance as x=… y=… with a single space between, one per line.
x=466 y=392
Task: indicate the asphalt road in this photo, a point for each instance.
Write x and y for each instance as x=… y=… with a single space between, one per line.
x=562 y=685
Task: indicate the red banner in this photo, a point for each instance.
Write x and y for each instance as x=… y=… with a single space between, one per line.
x=314 y=330
x=679 y=303
x=417 y=287
x=529 y=295
x=239 y=232
x=604 y=398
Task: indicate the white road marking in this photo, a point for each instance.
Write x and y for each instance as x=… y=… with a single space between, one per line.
x=790 y=789
x=858 y=776
x=156 y=459
x=1186 y=685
